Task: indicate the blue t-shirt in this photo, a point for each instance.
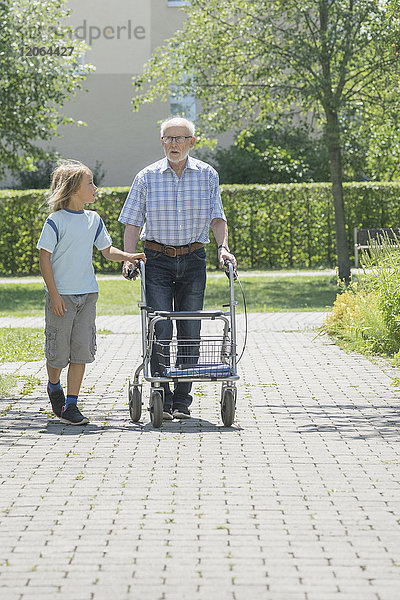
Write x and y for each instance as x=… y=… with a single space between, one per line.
x=69 y=236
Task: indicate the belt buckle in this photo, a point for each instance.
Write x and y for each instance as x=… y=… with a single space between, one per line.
x=172 y=248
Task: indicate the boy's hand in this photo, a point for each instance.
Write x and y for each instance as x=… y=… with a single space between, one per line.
x=132 y=262
x=133 y=258
x=57 y=305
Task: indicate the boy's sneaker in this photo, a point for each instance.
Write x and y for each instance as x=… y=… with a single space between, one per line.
x=57 y=399
x=167 y=413
x=72 y=416
x=181 y=413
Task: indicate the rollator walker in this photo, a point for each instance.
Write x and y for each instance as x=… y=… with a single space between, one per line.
x=210 y=358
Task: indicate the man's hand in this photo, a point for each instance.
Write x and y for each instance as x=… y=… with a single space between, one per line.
x=134 y=258
x=57 y=305
x=224 y=255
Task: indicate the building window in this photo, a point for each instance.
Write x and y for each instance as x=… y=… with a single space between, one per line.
x=183 y=106
x=179 y=2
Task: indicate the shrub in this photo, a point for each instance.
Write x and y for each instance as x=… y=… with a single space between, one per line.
x=356 y=320
x=270 y=226
x=366 y=315
x=274 y=154
x=40 y=178
x=383 y=264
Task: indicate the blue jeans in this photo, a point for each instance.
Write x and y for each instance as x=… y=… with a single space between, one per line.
x=175 y=284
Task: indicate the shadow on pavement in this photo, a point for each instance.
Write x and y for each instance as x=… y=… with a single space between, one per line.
x=358 y=421
x=192 y=425
x=17 y=423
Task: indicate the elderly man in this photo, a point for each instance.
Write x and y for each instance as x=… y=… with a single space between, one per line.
x=175 y=200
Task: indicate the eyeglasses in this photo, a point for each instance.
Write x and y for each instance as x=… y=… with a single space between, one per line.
x=179 y=139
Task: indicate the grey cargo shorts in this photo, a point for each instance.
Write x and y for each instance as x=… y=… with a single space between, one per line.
x=71 y=338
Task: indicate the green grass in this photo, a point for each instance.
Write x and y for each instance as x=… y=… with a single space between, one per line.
x=16 y=385
x=20 y=344
x=296 y=293
x=7 y=383
x=263 y=293
x=26 y=299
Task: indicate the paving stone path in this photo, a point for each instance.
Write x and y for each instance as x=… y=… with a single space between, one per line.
x=299 y=500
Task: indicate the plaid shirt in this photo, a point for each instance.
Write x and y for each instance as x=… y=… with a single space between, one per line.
x=174 y=211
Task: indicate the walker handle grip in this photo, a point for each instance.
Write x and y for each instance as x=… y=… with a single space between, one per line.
x=227 y=263
x=132 y=273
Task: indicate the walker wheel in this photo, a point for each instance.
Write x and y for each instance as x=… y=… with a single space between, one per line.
x=156 y=408
x=228 y=404
x=135 y=403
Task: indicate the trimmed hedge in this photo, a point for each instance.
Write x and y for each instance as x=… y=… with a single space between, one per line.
x=270 y=226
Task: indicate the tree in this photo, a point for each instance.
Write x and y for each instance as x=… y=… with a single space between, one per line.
x=249 y=59
x=272 y=154
x=40 y=178
x=371 y=145
x=33 y=88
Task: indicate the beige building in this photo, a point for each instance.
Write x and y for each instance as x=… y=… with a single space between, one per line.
x=122 y=34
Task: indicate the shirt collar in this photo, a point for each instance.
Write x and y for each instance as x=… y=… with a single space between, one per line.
x=191 y=163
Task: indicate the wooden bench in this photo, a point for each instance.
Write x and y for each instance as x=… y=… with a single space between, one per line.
x=362 y=238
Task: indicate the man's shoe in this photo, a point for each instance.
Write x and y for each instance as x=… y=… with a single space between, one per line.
x=181 y=413
x=57 y=399
x=72 y=416
x=167 y=413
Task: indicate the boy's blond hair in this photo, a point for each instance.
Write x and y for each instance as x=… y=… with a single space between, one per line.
x=65 y=181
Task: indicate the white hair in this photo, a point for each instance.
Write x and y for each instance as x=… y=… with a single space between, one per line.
x=180 y=122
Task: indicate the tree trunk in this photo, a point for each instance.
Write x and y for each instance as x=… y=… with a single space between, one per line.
x=335 y=161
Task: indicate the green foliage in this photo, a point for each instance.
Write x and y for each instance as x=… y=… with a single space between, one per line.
x=277 y=154
x=393 y=12
x=371 y=143
x=366 y=315
x=357 y=322
x=22 y=215
x=274 y=226
x=383 y=265
x=271 y=155
x=40 y=178
x=34 y=87
x=248 y=61
x=327 y=56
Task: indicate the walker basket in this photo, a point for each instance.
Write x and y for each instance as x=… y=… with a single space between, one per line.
x=203 y=358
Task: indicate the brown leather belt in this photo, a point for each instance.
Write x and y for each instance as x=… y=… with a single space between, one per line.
x=173 y=251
